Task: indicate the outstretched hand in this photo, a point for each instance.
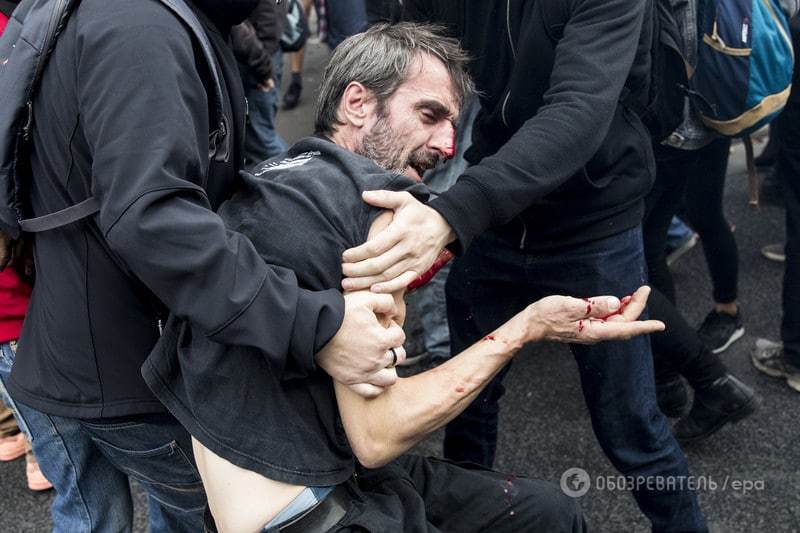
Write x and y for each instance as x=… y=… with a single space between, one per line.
x=590 y=320
x=403 y=251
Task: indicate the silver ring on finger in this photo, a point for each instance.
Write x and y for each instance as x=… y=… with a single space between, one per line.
x=394 y=358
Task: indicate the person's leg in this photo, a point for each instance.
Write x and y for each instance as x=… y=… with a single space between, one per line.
x=679 y=348
x=782 y=360
x=704 y=210
x=156 y=451
x=661 y=204
x=473 y=499
x=262 y=140
x=618 y=382
x=345 y=18
x=789 y=161
x=484 y=289
x=90 y=494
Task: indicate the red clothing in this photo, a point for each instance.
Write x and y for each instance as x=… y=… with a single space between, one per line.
x=14 y=296
x=3 y=22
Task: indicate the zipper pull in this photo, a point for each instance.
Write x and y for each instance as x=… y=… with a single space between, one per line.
x=160 y=328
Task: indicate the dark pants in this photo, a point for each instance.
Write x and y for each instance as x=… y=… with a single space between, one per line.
x=678 y=349
x=427 y=495
x=493 y=281
x=699 y=176
x=789 y=170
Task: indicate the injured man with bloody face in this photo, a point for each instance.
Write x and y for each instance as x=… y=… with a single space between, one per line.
x=279 y=450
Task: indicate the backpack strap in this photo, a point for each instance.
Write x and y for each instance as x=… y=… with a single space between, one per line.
x=60 y=218
x=219 y=138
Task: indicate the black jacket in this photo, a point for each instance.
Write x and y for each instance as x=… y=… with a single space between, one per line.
x=123 y=107
x=556 y=157
x=257 y=39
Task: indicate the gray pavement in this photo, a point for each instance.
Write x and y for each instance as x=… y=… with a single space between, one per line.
x=545 y=428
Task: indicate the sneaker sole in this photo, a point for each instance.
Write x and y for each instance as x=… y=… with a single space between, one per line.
x=39 y=486
x=793 y=382
x=735 y=337
x=679 y=252
x=746 y=410
x=771 y=372
x=778 y=258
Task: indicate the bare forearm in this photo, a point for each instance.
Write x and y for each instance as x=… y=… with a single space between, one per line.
x=382 y=428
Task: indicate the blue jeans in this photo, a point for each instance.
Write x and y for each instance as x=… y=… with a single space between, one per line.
x=493 y=281
x=89 y=462
x=345 y=18
x=262 y=141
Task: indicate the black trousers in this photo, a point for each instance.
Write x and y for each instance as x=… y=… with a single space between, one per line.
x=789 y=171
x=418 y=494
x=678 y=349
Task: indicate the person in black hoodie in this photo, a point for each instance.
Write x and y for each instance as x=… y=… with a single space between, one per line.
x=551 y=204
x=256 y=44
x=123 y=108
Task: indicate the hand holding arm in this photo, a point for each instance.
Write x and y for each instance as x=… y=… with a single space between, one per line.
x=400 y=253
x=360 y=351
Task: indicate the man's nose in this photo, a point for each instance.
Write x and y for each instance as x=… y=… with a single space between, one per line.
x=444 y=140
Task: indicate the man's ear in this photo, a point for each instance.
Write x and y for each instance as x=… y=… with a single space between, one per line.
x=357 y=105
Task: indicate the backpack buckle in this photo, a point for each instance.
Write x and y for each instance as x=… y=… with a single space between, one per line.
x=26 y=129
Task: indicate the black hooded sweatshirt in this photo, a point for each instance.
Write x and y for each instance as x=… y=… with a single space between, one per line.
x=123 y=107
x=557 y=160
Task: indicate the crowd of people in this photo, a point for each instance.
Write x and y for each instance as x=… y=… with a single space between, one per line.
x=224 y=328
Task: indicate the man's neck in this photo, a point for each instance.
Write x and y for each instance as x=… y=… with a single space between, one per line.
x=346 y=138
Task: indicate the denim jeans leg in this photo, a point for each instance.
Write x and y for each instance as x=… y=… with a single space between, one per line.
x=432 y=310
x=483 y=291
x=617 y=378
x=262 y=140
x=156 y=451
x=90 y=494
x=618 y=382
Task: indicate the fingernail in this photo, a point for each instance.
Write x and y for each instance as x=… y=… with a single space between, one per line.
x=613 y=303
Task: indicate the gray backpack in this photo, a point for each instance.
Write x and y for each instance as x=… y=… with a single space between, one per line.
x=25 y=47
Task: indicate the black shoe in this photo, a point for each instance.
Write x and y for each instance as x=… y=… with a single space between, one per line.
x=725 y=401
x=292 y=96
x=720 y=330
x=672 y=397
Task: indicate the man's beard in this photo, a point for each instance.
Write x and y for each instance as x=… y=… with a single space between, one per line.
x=384 y=146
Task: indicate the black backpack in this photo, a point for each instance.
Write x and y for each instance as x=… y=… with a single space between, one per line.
x=25 y=47
x=659 y=104
x=295 y=28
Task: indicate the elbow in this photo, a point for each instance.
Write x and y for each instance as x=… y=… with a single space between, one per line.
x=371 y=453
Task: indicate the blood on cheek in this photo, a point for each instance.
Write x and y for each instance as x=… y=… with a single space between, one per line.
x=451 y=150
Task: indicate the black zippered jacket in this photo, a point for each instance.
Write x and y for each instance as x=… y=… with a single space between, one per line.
x=556 y=157
x=257 y=39
x=123 y=107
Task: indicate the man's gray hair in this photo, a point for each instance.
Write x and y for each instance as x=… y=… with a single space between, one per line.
x=379 y=59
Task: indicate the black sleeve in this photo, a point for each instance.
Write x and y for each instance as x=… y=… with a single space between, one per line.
x=592 y=61
x=249 y=49
x=145 y=117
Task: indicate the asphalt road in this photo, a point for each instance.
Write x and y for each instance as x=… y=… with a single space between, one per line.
x=751 y=478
